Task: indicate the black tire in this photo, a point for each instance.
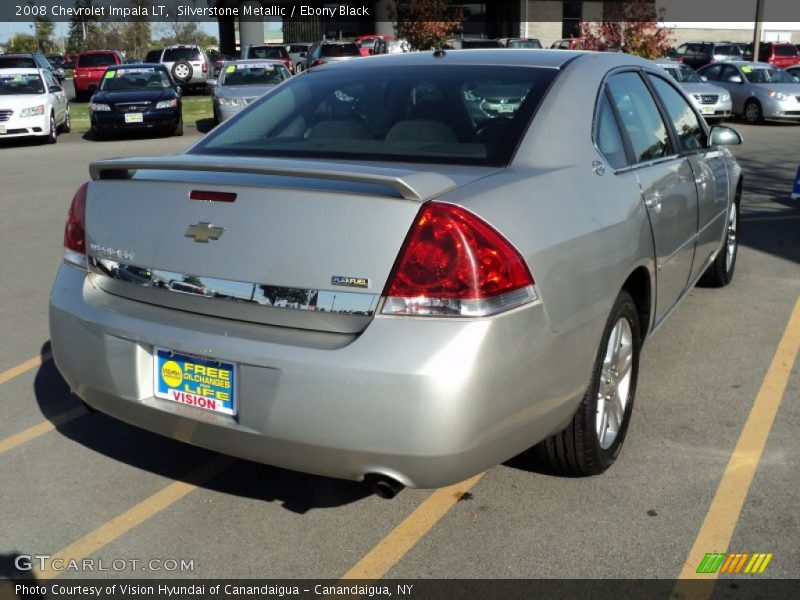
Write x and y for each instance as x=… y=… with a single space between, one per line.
x=753 y=113
x=179 y=128
x=52 y=136
x=720 y=272
x=66 y=126
x=577 y=450
x=178 y=67
x=97 y=135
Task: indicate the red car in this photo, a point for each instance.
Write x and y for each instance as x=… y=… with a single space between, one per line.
x=89 y=69
x=781 y=55
x=366 y=43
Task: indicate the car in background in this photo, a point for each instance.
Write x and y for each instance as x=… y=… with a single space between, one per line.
x=242 y=82
x=529 y=43
x=89 y=69
x=328 y=52
x=136 y=97
x=573 y=43
x=759 y=90
x=393 y=291
x=699 y=54
x=794 y=71
x=57 y=61
x=28 y=60
x=269 y=52
x=779 y=54
x=217 y=60
x=298 y=52
x=32 y=103
x=472 y=44
x=366 y=43
x=713 y=102
x=188 y=64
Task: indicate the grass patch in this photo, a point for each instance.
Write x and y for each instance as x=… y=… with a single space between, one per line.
x=195 y=108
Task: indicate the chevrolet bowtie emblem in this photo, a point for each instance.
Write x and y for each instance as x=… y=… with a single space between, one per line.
x=204 y=232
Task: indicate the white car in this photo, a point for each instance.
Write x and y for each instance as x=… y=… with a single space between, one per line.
x=32 y=103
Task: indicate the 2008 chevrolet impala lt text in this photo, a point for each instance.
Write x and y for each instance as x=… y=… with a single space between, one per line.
x=405 y=269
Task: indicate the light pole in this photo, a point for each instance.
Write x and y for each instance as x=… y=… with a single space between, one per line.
x=757 y=33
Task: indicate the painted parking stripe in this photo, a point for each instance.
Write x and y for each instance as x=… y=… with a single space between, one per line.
x=24 y=367
x=402 y=538
x=41 y=428
x=121 y=524
x=726 y=506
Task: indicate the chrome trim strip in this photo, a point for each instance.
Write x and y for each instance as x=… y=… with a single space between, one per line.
x=213 y=289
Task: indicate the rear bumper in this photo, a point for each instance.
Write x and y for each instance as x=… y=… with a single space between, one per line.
x=428 y=402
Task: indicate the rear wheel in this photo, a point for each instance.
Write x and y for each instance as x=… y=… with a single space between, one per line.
x=179 y=128
x=592 y=441
x=753 y=113
x=720 y=272
x=66 y=126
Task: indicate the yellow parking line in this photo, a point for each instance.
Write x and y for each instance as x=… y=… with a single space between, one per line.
x=132 y=517
x=24 y=367
x=402 y=538
x=40 y=429
x=726 y=506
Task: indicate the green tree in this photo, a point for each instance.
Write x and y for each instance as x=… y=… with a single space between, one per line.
x=82 y=30
x=43 y=31
x=21 y=42
x=136 y=34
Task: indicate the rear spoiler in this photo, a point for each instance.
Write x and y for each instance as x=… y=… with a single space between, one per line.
x=418 y=186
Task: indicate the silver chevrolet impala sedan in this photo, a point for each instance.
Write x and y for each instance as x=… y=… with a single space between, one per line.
x=405 y=269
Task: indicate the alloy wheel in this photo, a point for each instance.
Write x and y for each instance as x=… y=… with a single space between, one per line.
x=615 y=383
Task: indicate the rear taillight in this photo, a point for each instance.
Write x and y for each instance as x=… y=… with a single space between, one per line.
x=318 y=62
x=455 y=264
x=75 y=229
x=205 y=68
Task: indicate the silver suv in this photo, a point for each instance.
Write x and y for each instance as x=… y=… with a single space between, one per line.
x=189 y=65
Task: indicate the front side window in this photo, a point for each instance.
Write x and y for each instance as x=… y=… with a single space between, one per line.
x=712 y=72
x=691 y=135
x=460 y=114
x=728 y=74
x=640 y=118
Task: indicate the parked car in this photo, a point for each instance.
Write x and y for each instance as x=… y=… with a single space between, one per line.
x=699 y=54
x=566 y=44
x=89 y=69
x=759 y=90
x=136 y=97
x=472 y=44
x=401 y=293
x=297 y=52
x=27 y=60
x=56 y=62
x=188 y=64
x=242 y=82
x=366 y=43
x=269 y=52
x=326 y=52
x=778 y=54
x=530 y=43
x=794 y=72
x=713 y=102
x=32 y=103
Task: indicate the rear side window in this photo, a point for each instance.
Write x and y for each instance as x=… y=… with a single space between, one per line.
x=175 y=54
x=691 y=135
x=153 y=56
x=334 y=50
x=607 y=135
x=640 y=117
x=96 y=60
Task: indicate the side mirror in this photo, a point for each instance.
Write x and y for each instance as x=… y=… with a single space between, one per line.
x=54 y=88
x=796 y=79
x=212 y=82
x=735 y=79
x=723 y=136
x=703 y=77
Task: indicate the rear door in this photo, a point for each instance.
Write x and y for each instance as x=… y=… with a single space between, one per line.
x=667 y=185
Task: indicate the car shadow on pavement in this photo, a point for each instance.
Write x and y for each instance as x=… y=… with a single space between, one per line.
x=11 y=574
x=297 y=492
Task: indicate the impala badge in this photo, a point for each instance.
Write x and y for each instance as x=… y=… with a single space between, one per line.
x=204 y=232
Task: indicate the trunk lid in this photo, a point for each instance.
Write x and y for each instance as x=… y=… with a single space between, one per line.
x=304 y=244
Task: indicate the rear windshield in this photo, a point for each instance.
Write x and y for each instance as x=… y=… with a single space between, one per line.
x=272 y=52
x=471 y=44
x=334 y=50
x=254 y=74
x=465 y=114
x=15 y=83
x=17 y=62
x=175 y=54
x=96 y=60
x=786 y=50
x=136 y=78
x=524 y=44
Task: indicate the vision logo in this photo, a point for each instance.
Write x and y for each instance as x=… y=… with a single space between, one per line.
x=731 y=562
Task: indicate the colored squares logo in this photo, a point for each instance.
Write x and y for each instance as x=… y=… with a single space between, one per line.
x=734 y=562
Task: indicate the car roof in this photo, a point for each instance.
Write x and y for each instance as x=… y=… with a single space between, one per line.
x=159 y=66
x=250 y=61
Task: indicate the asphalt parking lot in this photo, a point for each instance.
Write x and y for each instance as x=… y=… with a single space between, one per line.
x=83 y=485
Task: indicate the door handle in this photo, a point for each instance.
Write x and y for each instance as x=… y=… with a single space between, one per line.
x=653 y=200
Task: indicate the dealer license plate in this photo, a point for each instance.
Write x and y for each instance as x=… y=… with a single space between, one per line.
x=134 y=118
x=200 y=382
x=2 y=129
x=707 y=110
